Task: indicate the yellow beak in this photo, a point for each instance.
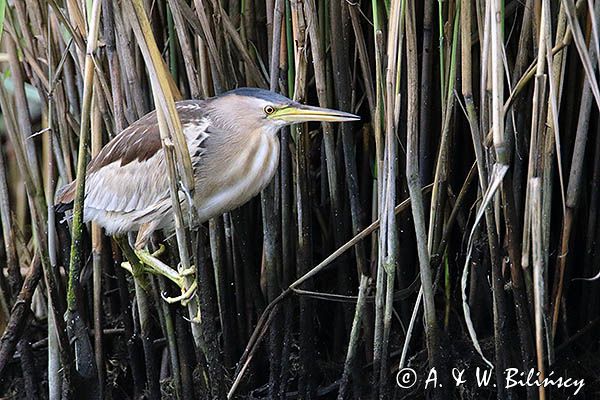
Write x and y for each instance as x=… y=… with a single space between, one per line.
x=295 y=113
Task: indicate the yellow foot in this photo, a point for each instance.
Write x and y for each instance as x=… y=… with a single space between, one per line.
x=180 y=277
x=197 y=319
x=187 y=271
x=185 y=297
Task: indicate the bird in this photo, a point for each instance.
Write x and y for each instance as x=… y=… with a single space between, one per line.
x=234 y=148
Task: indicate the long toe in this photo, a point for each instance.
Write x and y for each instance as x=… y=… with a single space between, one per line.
x=184 y=298
x=188 y=271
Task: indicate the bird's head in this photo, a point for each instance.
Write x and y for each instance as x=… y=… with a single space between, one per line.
x=252 y=108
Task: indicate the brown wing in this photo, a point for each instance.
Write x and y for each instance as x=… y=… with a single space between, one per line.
x=128 y=174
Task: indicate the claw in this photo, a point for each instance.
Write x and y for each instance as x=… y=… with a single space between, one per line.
x=184 y=298
x=196 y=320
x=127 y=266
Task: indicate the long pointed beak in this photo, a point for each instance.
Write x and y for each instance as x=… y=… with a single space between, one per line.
x=302 y=113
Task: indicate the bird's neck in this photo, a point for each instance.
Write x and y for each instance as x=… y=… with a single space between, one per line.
x=270 y=130
x=238 y=173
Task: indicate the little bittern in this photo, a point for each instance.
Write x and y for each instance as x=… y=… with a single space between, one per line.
x=234 y=151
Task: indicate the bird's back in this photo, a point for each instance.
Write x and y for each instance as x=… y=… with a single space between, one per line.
x=128 y=179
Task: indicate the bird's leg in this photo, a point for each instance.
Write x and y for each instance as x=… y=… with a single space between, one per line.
x=144 y=234
x=157 y=266
x=153 y=265
x=149 y=263
x=133 y=265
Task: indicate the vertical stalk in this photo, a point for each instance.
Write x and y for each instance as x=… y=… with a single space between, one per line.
x=538 y=278
x=388 y=239
x=340 y=28
x=38 y=213
x=501 y=154
x=349 y=363
x=169 y=331
x=96 y=132
x=425 y=107
x=574 y=184
x=414 y=187
x=304 y=254
x=208 y=320
x=314 y=26
x=85 y=362
x=141 y=287
x=271 y=216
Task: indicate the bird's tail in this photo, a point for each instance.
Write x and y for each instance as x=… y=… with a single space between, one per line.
x=64 y=198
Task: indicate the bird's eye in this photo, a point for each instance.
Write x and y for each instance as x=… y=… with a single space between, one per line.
x=269 y=110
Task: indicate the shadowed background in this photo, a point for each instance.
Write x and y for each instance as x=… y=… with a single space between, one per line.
x=494 y=102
